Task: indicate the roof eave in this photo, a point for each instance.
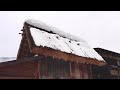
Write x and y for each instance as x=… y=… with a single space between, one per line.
x=65 y=56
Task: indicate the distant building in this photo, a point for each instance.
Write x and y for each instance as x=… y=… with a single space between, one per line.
x=48 y=53
x=109 y=71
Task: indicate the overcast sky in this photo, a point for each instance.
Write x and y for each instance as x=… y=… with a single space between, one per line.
x=98 y=28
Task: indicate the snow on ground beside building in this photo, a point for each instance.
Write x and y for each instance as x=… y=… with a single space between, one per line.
x=5 y=59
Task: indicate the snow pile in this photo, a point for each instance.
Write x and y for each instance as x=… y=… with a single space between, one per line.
x=57 y=42
x=50 y=28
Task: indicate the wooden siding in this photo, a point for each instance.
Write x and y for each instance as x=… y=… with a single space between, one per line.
x=24 y=70
x=60 y=69
x=25 y=48
x=81 y=71
x=42 y=67
x=54 y=69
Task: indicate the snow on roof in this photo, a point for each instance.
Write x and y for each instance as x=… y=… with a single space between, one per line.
x=60 y=40
x=57 y=42
x=49 y=28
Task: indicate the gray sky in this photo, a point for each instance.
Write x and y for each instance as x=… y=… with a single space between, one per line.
x=98 y=28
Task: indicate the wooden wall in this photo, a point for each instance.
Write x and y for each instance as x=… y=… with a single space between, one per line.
x=44 y=68
x=24 y=70
x=81 y=71
x=59 y=69
x=54 y=69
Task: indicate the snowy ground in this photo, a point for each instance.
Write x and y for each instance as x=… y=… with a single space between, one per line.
x=5 y=59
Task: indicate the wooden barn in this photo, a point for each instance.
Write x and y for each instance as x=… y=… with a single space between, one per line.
x=48 y=53
x=109 y=71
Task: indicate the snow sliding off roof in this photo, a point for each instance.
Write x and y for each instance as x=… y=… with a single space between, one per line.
x=63 y=42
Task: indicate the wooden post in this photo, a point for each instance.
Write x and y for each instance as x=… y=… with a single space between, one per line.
x=39 y=77
x=91 y=76
x=37 y=72
x=70 y=70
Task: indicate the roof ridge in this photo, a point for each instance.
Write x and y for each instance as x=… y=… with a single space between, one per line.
x=49 y=28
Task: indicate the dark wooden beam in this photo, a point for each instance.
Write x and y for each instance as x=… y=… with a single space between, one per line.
x=65 y=56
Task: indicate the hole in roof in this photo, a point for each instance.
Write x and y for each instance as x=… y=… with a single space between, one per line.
x=78 y=44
